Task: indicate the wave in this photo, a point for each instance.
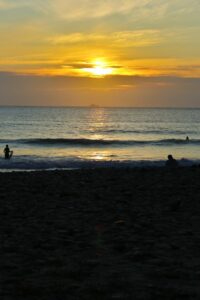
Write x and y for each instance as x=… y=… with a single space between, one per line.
x=48 y=163
x=147 y=132
x=100 y=142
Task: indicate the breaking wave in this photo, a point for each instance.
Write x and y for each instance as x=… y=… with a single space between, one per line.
x=100 y=142
x=28 y=162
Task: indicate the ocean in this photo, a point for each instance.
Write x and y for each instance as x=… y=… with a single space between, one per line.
x=49 y=138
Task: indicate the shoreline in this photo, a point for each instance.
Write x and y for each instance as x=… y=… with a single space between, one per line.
x=10 y=166
x=100 y=234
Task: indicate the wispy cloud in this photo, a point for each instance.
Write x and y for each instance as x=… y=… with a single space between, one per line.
x=92 y=9
x=4 y=4
x=89 y=9
x=122 y=31
x=132 y=38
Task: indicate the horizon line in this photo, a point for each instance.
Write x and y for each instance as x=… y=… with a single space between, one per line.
x=99 y=106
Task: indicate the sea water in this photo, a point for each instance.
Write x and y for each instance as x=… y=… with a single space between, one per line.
x=87 y=137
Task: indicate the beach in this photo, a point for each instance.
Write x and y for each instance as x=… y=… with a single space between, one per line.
x=100 y=234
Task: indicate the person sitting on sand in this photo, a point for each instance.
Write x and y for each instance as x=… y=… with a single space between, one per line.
x=8 y=154
x=171 y=162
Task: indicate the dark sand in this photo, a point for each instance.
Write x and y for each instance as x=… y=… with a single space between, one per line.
x=100 y=234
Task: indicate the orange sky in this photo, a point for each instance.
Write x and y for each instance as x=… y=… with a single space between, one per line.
x=135 y=53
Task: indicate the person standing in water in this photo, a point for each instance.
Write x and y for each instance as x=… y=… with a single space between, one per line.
x=8 y=154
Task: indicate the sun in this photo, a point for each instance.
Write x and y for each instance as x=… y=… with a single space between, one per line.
x=99 y=68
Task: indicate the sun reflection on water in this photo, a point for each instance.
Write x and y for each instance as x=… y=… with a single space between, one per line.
x=101 y=155
x=98 y=121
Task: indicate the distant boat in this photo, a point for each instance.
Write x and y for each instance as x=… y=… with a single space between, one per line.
x=94 y=106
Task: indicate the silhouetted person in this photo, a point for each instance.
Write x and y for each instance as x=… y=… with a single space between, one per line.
x=171 y=162
x=7 y=152
x=187 y=139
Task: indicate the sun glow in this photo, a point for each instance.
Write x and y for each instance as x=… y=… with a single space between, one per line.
x=99 y=69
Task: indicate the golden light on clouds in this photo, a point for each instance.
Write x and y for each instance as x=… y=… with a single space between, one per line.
x=123 y=52
x=90 y=38
x=98 y=68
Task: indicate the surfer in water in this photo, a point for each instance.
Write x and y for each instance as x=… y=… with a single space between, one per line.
x=8 y=154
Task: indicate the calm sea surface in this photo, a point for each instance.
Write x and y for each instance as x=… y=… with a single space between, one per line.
x=48 y=138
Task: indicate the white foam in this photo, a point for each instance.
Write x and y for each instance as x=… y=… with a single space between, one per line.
x=49 y=163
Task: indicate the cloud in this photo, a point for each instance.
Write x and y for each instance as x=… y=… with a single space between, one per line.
x=91 y=9
x=4 y=4
x=13 y=4
x=136 y=38
x=76 y=37
x=94 y=9
x=121 y=31
x=84 y=65
x=137 y=91
x=13 y=81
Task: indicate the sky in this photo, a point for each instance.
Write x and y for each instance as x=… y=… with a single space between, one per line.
x=106 y=52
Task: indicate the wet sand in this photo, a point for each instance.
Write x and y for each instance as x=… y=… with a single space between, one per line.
x=100 y=234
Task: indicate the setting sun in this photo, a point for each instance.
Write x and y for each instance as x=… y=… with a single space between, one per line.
x=98 y=69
